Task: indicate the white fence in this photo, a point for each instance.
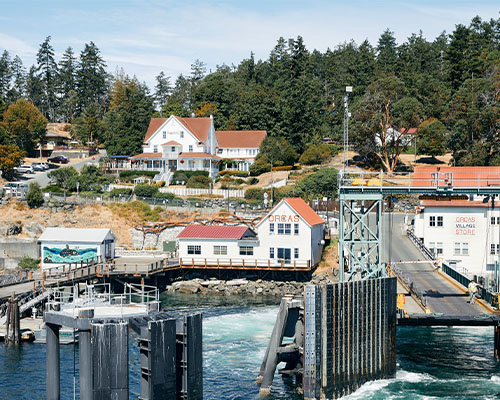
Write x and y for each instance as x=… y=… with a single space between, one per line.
x=196 y=192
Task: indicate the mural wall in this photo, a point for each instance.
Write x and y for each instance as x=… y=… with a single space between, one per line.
x=57 y=255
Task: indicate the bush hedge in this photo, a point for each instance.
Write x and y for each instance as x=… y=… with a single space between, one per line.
x=145 y=190
x=120 y=192
x=184 y=175
x=283 y=168
x=242 y=174
x=131 y=174
x=198 y=182
x=316 y=154
x=254 y=194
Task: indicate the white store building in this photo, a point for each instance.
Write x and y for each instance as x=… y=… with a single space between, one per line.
x=291 y=234
x=61 y=246
x=464 y=233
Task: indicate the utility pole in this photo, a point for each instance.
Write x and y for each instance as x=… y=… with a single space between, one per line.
x=347 y=114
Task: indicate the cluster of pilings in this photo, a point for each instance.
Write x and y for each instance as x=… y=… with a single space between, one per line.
x=13 y=329
x=170 y=356
x=344 y=335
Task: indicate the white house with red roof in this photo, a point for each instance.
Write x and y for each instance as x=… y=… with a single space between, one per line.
x=177 y=143
x=290 y=235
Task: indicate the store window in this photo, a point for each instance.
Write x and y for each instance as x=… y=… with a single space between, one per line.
x=440 y=220
x=271 y=252
x=271 y=229
x=296 y=229
x=296 y=253
x=220 y=250
x=246 y=251
x=192 y=249
x=465 y=249
x=432 y=220
x=456 y=249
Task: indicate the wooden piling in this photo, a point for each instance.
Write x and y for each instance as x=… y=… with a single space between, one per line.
x=13 y=330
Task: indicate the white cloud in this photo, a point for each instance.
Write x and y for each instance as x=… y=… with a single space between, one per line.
x=16 y=46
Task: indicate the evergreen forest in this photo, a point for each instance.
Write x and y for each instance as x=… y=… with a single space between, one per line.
x=448 y=88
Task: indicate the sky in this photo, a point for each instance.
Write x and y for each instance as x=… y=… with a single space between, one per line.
x=145 y=37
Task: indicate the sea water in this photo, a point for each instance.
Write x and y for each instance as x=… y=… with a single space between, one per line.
x=433 y=363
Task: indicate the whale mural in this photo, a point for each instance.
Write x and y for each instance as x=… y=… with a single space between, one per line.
x=56 y=255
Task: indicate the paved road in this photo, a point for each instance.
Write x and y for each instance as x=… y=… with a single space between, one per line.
x=42 y=176
x=442 y=296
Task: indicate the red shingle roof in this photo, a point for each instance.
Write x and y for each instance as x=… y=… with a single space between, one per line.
x=197 y=126
x=457 y=203
x=214 y=232
x=171 y=143
x=240 y=139
x=198 y=155
x=303 y=209
x=147 y=155
x=456 y=176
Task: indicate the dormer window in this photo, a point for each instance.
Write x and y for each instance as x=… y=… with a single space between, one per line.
x=190 y=148
x=182 y=134
x=173 y=149
x=164 y=134
x=155 y=149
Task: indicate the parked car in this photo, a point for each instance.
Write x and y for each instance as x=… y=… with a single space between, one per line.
x=58 y=160
x=40 y=166
x=24 y=169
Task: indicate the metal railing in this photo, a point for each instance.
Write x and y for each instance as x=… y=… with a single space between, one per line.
x=424 y=179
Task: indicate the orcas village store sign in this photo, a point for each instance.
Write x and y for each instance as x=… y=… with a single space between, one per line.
x=465 y=225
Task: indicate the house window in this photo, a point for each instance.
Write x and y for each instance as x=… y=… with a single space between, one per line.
x=172 y=149
x=432 y=247
x=456 y=251
x=492 y=248
x=182 y=134
x=465 y=249
x=284 y=254
x=432 y=220
x=296 y=229
x=271 y=229
x=164 y=134
x=194 y=249
x=246 y=251
x=281 y=229
x=296 y=253
x=493 y=219
x=288 y=229
x=155 y=149
x=271 y=252
x=220 y=250
x=190 y=148
x=440 y=221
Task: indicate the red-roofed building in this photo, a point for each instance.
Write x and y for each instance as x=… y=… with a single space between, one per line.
x=177 y=143
x=290 y=235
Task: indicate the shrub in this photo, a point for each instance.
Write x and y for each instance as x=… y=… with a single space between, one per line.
x=283 y=168
x=187 y=174
x=120 y=192
x=242 y=174
x=131 y=174
x=260 y=166
x=199 y=182
x=28 y=263
x=34 y=197
x=52 y=189
x=164 y=196
x=254 y=194
x=315 y=154
x=145 y=190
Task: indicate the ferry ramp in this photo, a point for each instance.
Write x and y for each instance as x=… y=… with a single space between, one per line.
x=440 y=295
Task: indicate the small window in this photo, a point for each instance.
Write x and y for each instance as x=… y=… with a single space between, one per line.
x=296 y=229
x=440 y=221
x=288 y=229
x=220 y=250
x=432 y=247
x=493 y=219
x=456 y=251
x=194 y=249
x=173 y=149
x=182 y=134
x=439 y=248
x=432 y=220
x=271 y=252
x=296 y=253
x=164 y=134
x=190 y=148
x=498 y=220
x=465 y=249
x=281 y=229
x=155 y=149
x=246 y=251
x=271 y=229
x=492 y=249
